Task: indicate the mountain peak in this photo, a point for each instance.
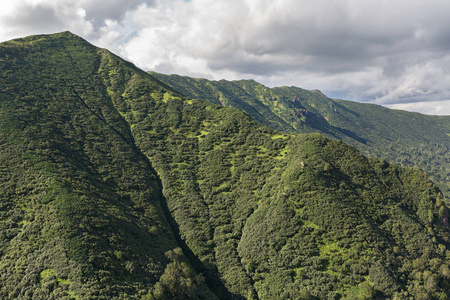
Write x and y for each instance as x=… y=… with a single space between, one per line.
x=65 y=34
x=116 y=187
x=33 y=40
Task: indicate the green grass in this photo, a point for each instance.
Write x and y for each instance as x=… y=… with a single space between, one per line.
x=310 y=224
x=279 y=136
x=46 y=273
x=118 y=204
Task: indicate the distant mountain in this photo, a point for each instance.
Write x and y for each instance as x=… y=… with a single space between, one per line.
x=406 y=138
x=116 y=186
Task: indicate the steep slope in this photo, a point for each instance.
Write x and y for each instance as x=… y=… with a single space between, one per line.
x=277 y=215
x=409 y=139
x=281 y=216
x=81 y=212
x=103 y=166
x=227 y=94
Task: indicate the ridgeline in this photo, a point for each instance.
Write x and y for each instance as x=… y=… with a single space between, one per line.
x=405 y=138
x=117 y=186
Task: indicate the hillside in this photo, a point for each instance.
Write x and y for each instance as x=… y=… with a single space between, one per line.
x=406 y=138
x=116 y=186
x=81 y=207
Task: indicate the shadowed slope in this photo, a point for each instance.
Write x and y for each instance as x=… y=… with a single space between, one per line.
x=261 y=214
x=81 y=204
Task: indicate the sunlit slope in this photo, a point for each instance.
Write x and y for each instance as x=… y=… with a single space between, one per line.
x=279 y=214
x=118 y=187
x=406 y=138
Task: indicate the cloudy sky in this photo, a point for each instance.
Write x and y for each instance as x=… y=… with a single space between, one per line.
x=394 y=53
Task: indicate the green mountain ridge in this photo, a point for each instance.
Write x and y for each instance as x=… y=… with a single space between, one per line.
x=117 y=186
x=406 y=138
x=87 y=210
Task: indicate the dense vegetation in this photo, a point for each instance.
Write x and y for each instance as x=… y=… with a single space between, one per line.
x=405 y=138
x=116 y=186
x=81 y=211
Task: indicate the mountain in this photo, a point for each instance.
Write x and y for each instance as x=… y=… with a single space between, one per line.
x=82 y=211
x=117 y=186
x=406 y=138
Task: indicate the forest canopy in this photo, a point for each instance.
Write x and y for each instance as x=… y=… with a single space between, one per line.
x=117 y=186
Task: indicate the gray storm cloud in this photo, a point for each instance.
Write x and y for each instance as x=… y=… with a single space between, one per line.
x=36 y=18
x=100 y=10
x=393 y=53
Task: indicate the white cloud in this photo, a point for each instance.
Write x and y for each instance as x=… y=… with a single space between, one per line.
x=36 y=17
x=386 y=52
x=429 y=107
x=91 y=19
